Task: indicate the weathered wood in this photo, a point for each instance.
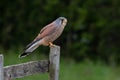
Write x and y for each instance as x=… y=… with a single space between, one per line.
x=25 y=69
x=1 y=67
x=33 y=67
x=54 y=58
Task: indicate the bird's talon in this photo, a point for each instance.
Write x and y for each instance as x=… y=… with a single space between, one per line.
x=51 y=44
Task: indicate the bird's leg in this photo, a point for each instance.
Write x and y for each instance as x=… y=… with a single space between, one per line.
x=51 y=44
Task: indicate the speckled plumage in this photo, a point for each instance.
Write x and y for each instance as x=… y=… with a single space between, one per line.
x=47 y=35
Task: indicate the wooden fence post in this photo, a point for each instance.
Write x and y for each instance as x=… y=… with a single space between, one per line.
x=33 y=67
x=54 y=59
x=1 y=67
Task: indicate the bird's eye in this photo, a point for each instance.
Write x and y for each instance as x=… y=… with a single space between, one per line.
x=62 y=21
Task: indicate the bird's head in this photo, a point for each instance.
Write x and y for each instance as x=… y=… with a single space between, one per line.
x=61 y=21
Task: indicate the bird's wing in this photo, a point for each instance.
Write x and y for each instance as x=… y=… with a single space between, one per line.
x=32 y=43
x=47 y=30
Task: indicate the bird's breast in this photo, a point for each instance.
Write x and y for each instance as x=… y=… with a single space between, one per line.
x=53 y=36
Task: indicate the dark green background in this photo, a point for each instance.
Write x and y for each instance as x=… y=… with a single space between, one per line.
x=92 y=32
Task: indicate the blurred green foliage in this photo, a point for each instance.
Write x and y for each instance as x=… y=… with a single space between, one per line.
x=92 y=31
x=69 y=69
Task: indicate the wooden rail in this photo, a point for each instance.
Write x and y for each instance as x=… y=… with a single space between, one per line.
x=25 y=69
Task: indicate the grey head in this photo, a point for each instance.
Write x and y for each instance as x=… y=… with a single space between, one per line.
x=61 y=21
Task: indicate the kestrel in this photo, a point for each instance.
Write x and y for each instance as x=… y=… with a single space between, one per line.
x=47 y=35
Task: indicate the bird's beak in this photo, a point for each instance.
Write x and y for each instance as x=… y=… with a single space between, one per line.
x=65 y=21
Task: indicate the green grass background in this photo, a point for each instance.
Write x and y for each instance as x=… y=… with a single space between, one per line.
x=69 y=70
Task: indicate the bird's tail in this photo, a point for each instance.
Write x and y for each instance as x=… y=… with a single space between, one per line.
x=30 y=48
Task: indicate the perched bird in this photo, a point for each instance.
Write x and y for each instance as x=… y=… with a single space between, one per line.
x=46 y=36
